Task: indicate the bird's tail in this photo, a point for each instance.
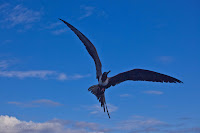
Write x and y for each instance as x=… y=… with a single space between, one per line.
x=102 y=100
x=96 y=90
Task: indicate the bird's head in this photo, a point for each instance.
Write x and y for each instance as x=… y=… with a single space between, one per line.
x=104 y=76
x=105 y=73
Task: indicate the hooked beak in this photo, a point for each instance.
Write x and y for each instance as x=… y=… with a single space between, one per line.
x=108 y=72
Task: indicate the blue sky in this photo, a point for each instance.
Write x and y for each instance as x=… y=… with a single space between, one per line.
x=45 y=70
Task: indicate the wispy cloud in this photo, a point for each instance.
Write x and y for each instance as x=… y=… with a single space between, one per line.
x=87 y=11
x=125 y=95
x=46 y=102
x=184 y=130
x=59 y=31
x=161 y=106
x=63 y=76
x=138 y=123
x=153 y=92
x=56 y=28
x=3 y=64
x=42 y=74
x=95 y=109
x=2 y=6
x=18 y=15
x=78 y=76
x=36 y=103
x=53 y=25
x=141 y=124
x=185 y=118
x=165 y=59
x=28 y=74
x=83 y=124
x=6 y=42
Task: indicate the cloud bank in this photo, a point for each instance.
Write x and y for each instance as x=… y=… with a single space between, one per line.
x=9 y=124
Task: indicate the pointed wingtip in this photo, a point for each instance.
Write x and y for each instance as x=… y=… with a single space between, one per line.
x=60 y=19
x=69 y=25
x=179 y=81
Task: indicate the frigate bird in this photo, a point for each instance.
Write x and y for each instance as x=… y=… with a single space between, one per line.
x=105 y=82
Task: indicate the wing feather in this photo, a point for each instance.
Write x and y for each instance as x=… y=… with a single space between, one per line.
x=90 y=48
x=141 y=75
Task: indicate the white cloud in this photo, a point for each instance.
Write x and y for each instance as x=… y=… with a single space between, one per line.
x=56 y=28
x=137 y=117
x=18 y=15
x=141 y=124
x=46 y=102
x=42 y=74
x=13 y=125
x=78 y=76
x=165 y=59
x=53 y=25
x=36 y=103
x=27 y=74
x=88 y=11
x=93 y=127
x=15 y=103
x=185 y=130
x=90 y=125
x=125 y=95
x=153 y=92
x=136 y=123
x=58 y=32
x=3 y=64
x=96 y=109
x=62 y=76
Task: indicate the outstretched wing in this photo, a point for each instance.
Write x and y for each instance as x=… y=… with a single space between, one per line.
x=141 y=75
x=90 y=48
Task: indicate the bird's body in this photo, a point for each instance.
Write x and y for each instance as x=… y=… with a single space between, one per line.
x=103 y=79
x=104 y=82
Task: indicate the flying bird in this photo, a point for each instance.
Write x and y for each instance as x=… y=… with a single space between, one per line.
x=104 y=82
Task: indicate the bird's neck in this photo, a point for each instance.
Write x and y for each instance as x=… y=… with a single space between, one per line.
x=103 y=80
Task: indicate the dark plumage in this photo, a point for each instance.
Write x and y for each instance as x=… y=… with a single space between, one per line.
x=106 y=82
x=141 y=75
x=90 y=48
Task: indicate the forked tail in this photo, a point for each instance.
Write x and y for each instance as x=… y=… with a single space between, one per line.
x=106 y=109
x=96 y=90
